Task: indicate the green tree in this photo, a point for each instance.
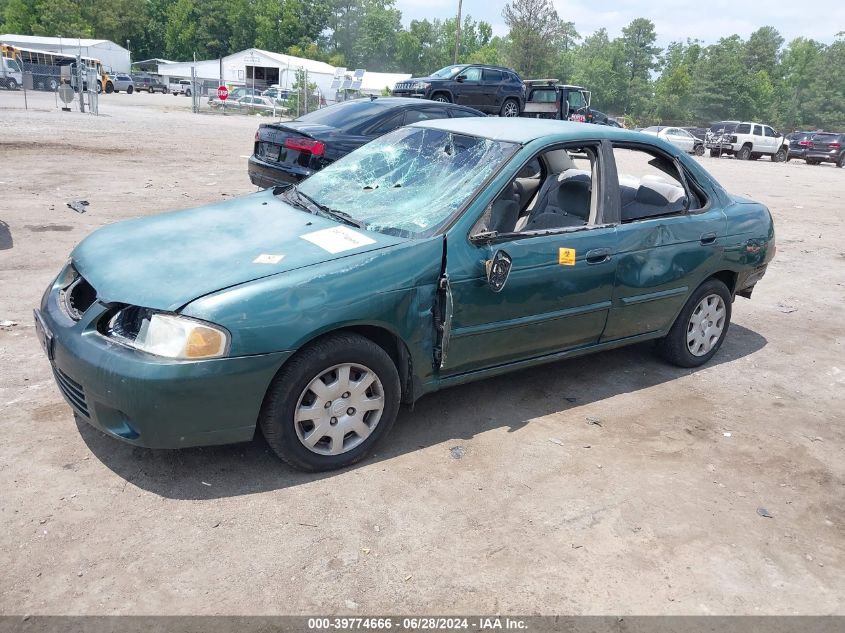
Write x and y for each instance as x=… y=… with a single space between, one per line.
x=641 y=56
x=598 y=66
x=762 y=51
x=19 y=17
x=536 y=33
x=827 y=90
x=800 y=60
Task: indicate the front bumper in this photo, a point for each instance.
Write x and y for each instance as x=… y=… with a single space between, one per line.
x=265 y=175
x=149 y=401
x=408 y=93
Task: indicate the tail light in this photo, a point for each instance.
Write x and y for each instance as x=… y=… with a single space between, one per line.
x=805 y=143
x=307 y=145
x=256 y=136
x=835 y=145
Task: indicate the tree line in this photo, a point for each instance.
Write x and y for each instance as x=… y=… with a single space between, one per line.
x=794 y=85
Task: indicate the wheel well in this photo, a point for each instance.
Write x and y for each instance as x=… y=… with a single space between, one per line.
x=727 y=277
x=390 y=343
x=748 y=145
x=442 y=92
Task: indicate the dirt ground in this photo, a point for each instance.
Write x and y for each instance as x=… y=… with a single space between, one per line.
x=652 y=510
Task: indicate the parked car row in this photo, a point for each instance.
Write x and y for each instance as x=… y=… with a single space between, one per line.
x=677 y=136
x=817 y=147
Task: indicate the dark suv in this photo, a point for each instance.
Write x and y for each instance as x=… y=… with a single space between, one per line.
x=491 y=89
x=798 y=144
x=826 y=147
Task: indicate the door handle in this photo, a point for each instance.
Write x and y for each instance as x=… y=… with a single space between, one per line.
x=598 y=255
x=708 y=238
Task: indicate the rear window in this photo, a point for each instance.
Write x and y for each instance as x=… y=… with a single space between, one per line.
x=345 y=116
x=723 y=126
x=826 y=138
x=744 y=128
x=491 y=75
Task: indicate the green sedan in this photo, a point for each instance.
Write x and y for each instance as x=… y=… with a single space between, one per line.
x=441 y=253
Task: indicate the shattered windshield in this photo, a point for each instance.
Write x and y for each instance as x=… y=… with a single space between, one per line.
x=408 y=182
x=448 y=72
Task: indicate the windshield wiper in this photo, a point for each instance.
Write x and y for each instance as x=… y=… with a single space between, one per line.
x=325 y=211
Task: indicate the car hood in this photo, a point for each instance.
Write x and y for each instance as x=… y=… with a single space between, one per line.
x=166 y=261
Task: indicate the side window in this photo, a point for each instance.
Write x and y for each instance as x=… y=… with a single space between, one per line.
x=576 y=100
x=491 y=75
x=386 y=125
x=554 y=190
x=472 y=74
x=743 y=128
x=412 y=116
x=461 y=114
x=758 y=130
x=769 y=132
x=649 y=185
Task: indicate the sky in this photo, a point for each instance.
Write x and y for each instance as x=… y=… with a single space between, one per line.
x=706 y=20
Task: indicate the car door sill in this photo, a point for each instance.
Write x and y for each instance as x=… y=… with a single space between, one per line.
x=529 y=320
x=496 y=370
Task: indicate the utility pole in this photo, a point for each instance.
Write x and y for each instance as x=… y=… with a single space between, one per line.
x=458 y=32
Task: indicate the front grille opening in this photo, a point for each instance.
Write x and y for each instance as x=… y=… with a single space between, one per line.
x=78 y=297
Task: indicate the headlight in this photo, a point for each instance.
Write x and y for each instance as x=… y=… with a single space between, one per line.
x=167 y=335
x=421 y=85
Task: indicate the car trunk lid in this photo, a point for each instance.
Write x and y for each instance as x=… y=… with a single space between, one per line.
x=296 y=144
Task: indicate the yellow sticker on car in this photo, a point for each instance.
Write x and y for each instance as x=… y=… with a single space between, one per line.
x=566 y=257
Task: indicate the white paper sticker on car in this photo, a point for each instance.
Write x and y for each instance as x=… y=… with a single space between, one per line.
x=264 y=258
x=338 y=239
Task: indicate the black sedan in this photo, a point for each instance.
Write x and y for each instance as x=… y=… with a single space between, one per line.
x=289 y=151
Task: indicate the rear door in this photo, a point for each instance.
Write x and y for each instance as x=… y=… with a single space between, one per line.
x=760 y=144
x=493 y=82
x=670 y=239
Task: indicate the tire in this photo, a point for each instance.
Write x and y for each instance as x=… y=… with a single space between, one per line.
x=714 y=153
x=780 y=156
x=52 y=85
x=698 y=150
x=510 y=108
x=12 y=84
x=677 y=346
x=130 y=90
x=811 y=161
x=109 y=88
x=291 y=391
x=841 y=162
x=99 y=88
x=744 y=153
x=188 y=93
x=441 y=97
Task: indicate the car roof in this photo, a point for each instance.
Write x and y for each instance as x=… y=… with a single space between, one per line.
x=523 y=130
x=398 y=102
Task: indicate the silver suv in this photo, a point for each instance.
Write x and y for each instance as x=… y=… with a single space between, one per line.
x=746 y=140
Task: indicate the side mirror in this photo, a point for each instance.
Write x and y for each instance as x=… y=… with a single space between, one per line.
x=498 y=270
x=460 y=79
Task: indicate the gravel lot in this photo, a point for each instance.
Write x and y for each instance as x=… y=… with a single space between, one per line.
x=652 y=510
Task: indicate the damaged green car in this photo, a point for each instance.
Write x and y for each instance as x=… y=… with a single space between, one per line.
x=441 y=253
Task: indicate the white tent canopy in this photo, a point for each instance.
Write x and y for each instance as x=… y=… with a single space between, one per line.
x=265 y=68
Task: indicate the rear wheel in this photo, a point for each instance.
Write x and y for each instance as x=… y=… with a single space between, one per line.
x=780 y=156
x=698 y=150
x=841 y=162
x=188 y=93
x=441 y=97
x=510 y=108
x=109 y=88
x=331 y=403
x=744 y=153
x=130 y=90
x=700 y=328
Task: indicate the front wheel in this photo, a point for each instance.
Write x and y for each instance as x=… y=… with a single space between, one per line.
x=331 y=403
x=698 y=150
x=12 y=84
x=780 y=156
x=109 y=88
x=700 y=328
x=130 y=90
x=841 y=162
x=187 y=93
x=510 y=108
x=441 y=98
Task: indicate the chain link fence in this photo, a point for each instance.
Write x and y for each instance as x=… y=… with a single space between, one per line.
x=51 y=79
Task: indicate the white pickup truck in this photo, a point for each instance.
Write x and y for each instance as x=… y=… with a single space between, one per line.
x=746 y=140
x=11 y=75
